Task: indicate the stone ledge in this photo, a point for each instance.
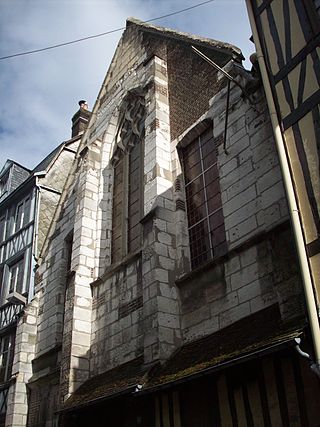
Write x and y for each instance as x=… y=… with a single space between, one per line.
x=236 y=250
x=117 y=266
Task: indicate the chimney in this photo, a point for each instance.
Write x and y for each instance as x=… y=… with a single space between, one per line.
x=81 y=119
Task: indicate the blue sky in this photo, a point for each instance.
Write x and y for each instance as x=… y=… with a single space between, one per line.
x=40 y=92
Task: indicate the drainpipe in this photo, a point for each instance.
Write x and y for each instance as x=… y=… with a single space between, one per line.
x=293 y=208
x=34 y=255
x=36 y=220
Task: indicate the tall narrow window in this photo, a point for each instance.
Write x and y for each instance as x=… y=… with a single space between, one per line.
x=134 y=198
x=6 y=356
x=22 y=214
x=118 y=209
x=203 y=198
x=4 y=181
x=16 y=277
x=2 y=228
x=18 y=216
x=128 y=177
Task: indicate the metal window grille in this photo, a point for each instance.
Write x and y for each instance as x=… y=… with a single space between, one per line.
x=203 y=199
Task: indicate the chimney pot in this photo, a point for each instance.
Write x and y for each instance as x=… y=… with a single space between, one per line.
x=80 y=119
x=83 y=104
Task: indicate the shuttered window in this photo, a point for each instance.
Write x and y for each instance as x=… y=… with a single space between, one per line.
x=203 y=199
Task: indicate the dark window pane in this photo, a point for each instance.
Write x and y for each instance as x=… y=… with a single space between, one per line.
x=214 y=203
x=2 y=227
x=196 y=205
x=206 y=135
x=213 y=196
x=216 y=220
x=209 y=160
x=218 y=235
x=16 y=277
x=209 y=149
x=117 y=211
x=18 y=217
x=26 y=213
x=134 y=203
x=199 y=244
x=194 y=187
x=6 y=357
x=193 y=172
x=19 y=285
x=220 y=249
x=211 y=175
x=191 y=161
x=203 y=199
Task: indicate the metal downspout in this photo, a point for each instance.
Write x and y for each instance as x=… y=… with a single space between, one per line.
x=34 y=255
x=293 y=208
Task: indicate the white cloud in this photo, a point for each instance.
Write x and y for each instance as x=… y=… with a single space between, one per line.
x=39 y=92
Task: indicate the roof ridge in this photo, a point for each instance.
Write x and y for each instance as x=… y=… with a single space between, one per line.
x=183 y=36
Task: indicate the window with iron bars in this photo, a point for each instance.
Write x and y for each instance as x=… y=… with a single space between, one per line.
x=203 y=200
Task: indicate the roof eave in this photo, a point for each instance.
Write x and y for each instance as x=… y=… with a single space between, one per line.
x=224 y=365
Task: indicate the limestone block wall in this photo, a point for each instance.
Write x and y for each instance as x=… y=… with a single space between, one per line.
x=77 y=323
x=131 y=302
x=58 y=172
x=54 y=290
x=250 y=177
x=117 y=334
x=251 y=277
x=48 y=203
x=51 y=186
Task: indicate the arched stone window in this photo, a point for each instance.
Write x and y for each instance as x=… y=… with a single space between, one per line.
x=127 y=161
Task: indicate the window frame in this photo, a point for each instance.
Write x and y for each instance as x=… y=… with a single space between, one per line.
x=9 y=352
x=124 y=155
x=129 y=137
x=18 y=267
x=3 y=224
x=212 y=250
x=4 y=184
x=21 y=220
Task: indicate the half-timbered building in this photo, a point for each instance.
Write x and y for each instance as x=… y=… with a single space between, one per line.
x=28 y=200
x=287 y=36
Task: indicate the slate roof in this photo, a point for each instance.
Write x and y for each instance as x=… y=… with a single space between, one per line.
x=42 y=166
x=123 y=378
x=8 y=164
x=261 y=332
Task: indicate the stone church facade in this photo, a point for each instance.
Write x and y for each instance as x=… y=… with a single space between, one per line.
x=168 y=292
